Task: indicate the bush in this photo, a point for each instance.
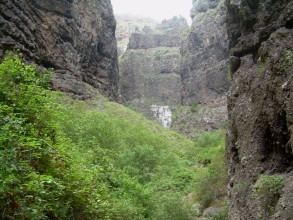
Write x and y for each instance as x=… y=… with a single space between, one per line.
x=267 y=188
x=30 y=188
x=194 y=107
x=223 y=214
x=211 y=179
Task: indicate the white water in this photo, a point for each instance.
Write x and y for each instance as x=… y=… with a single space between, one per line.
x=163 y=114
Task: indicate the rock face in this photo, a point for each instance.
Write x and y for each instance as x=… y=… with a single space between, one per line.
x=165 y=35
x=204 y=65
x=149 y=68
x=260 y=104
x=204 y=68
x=191 y=123
x=76 y=38
x=128 y=24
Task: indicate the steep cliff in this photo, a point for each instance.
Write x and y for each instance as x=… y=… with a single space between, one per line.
x=204 y=69
x=149 y=68
x=166 y=34
x=259 y=136
x=204 y=63
x=76 y=38
x=128 y=24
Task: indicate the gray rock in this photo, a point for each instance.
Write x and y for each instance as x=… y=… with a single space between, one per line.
x=205 y=58
x=149 y=67
x=165 y=35
x=74 y=37
x=196 y=209
x=204 y=69
x=259 y=135
x=211 y=211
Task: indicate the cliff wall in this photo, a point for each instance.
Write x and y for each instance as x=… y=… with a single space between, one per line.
x=204 y=65
x=128 y=24
x=204 y=70
x=149 y=76
x=76 y=38
x=259 y=136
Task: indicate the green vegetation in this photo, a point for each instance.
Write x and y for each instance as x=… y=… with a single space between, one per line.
x=228 y=76
x=157 y=57
x=67 y=159
x=194 y=107
x=268 y=185
x=222 y=214
x=241 y=186
x=214 y=13
x=261 y=68
x=286 y=61
x=185 y=32
x=211 y=178
x=267 y=188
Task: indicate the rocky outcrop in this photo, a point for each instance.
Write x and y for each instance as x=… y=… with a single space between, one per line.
x=191 y=122
x=128 y=24
x=76 y=38
x=166 y=34
x=260 y=104
x=204 y=65
x=149 y=68
x=204 y=69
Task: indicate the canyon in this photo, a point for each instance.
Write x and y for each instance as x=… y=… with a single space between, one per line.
x=232 y=69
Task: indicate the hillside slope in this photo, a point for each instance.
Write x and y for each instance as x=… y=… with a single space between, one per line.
x=66 y=159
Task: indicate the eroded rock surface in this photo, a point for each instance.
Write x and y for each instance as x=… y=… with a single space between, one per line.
x=128 y=24
x=167 y=34
x=149 y=68
x=76 y=38
x=204 y=66
x=259 y=137
x=204 y=69
x=163 y=114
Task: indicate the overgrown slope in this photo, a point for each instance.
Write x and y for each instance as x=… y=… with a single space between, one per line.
x=67 y=159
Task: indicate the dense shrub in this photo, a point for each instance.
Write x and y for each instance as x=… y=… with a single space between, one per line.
x=67 y=159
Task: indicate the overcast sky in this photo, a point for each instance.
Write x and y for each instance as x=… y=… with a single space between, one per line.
x=158 y=9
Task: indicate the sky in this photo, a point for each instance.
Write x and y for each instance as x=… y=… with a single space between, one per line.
x=157 y=9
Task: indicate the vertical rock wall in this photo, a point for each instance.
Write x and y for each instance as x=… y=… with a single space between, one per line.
x=204 y=65
x=260 y=105
x=76 y=38
x=204 y=70
x=128 y=24
x=149 y=67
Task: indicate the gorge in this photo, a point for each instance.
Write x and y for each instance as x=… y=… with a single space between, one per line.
x=80 y=154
